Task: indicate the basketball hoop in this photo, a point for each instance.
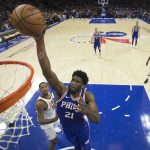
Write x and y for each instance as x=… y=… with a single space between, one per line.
x=14 y=119
x=103 y=2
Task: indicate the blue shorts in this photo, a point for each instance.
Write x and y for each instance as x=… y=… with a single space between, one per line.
x=97 y=44
x=79 y=137
x=135 y=36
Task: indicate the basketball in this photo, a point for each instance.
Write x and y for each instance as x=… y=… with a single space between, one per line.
x=28 y=20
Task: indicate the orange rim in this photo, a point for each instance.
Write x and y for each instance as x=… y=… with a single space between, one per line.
x=11 y=99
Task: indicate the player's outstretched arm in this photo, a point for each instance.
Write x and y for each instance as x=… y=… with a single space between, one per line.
x=50 y=76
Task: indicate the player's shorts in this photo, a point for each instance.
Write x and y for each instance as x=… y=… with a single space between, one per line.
x=96 y=44
x=79 y=137
x=135 y=36
x=49 y=131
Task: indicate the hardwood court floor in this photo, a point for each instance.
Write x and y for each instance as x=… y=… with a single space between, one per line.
x=119 y=63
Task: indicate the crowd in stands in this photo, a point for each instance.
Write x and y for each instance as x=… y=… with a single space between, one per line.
x=58 y=10
x=129 y=12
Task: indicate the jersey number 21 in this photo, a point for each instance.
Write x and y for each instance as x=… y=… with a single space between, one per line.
x=69 y=115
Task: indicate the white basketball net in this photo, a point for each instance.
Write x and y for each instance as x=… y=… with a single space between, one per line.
x=12 y=77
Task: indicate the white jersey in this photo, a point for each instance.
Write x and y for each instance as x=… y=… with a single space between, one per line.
x=50 y=112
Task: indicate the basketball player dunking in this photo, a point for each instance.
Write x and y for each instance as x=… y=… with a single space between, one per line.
x=46 y=114
x=135 y=34
x=74 y=103
x=97 y=40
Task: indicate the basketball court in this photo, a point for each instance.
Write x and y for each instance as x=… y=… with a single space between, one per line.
x=116 y=78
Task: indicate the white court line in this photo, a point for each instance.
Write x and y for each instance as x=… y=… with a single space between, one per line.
x=147 y=93
x=127 y=98
x=71 y=148
x=67 y=148
x=127 y=115
x=115 y=108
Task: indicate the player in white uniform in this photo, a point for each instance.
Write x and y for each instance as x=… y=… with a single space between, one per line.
x=46 y=114
x=146 y=80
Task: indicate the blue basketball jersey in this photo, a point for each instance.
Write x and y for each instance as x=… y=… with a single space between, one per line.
x=136 y=30
x=97 y=37
x=67 y=110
